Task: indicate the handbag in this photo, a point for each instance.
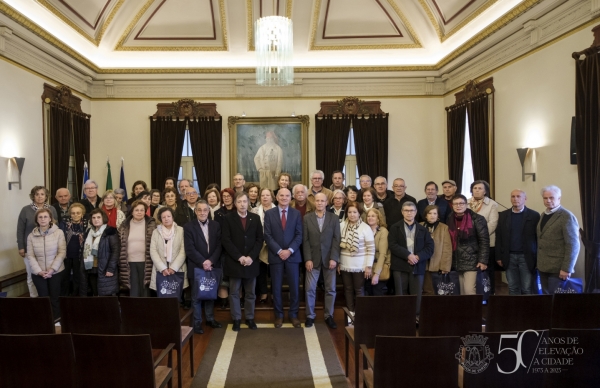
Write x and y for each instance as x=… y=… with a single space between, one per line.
x=445 y=284
x=207 y=283
x=385 y=272
x=483 y=284
x=569 y=286
x=169 y=286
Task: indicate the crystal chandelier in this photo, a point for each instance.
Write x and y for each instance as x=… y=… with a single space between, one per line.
x=274 y=44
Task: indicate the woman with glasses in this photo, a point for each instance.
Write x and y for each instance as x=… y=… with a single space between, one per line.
x=185 y=211
x=470 y=243
x=339 y=201
x=109 y=206
x=227 y=205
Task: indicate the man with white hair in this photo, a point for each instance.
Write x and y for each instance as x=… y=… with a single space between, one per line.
x=317 y=177
x=558 y=240
x=269 y=161
x=301 y=201
x=63 y=201
x=91 y=200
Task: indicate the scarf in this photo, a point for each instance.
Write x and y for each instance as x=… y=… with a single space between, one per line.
x=168 y=236
x=475 y=204
x=35 y=208
x=90 y=249
x=75 y=229
x=460 y=228
x=350 y=237
x=112 y=216
x=431 y=227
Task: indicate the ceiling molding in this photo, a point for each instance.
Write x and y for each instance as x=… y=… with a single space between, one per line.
x=100 y=33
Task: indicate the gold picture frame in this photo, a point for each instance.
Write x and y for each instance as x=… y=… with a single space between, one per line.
x=286 y=149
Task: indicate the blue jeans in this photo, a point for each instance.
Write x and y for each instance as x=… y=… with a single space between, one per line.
x=518 y=275
x=209 y=306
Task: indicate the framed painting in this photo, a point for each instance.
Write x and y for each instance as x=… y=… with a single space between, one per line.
x=260 y=148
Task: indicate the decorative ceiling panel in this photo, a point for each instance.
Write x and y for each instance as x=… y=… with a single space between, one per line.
x=360 y=25
x=449 y=16
x=177 y=25
x=90 y=18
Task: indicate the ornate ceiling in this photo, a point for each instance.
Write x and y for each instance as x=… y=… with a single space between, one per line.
x=134 y=35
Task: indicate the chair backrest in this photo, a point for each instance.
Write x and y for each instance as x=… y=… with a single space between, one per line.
x=576 y=311
x=37 y=360
x=583 y=370
x=100 y=315
x=506 y=349
x=26 y=316
x=450 y=315
x=158 y=317
x=416 y=361
x=114 y=360
x=518 y=312
x=384 y=315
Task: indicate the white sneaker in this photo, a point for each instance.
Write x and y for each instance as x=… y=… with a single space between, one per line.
x=57 y=324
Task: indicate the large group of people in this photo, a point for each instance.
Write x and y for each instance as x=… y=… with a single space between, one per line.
x=377 y=241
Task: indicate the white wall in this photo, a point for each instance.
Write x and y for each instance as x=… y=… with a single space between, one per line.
x=21 y=134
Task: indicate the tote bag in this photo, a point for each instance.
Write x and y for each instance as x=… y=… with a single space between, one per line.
x=169 y=286
x=207 y=283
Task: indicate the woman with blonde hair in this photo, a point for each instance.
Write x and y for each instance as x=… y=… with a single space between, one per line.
x=46 y=249
x=284 y=180
x=74 y=227
x=213 y=198
x=374 y=286
x=109 y=206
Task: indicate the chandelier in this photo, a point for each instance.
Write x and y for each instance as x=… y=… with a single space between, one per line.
x=274 y=45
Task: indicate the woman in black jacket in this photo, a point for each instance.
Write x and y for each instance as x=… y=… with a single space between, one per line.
x=470 y=243
x=100 y=256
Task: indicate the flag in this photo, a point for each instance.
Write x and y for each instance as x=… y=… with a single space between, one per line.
x=108 y=177
x=86 y=176
x=122 y=181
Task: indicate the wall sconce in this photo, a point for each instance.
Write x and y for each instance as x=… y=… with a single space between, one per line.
x=522 y=155
x=18 y=164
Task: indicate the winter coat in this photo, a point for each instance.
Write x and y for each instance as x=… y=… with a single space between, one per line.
x=108 y=258
x=46 y=251
x=475 y=249
x=157 y=253
x=123 y=263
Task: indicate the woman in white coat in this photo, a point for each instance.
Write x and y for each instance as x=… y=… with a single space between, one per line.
x=166 y=248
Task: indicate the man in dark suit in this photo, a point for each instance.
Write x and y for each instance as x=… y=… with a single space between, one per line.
x=202 y=239
x=283 y=235
x=242 y=241
x=516 y=244
x=431 y=198
x=321 y=246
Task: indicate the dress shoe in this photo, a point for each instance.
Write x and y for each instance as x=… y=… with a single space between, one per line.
x=278 y=323
x=263 y=301
x=309 y=322
x=331 y=323
x=251 y=324
x=198 y=327
x=236 y=325
x=224 y=303
x=214 y=324
x=296 y=322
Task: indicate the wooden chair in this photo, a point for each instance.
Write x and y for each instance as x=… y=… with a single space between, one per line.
x=584 y=371
x=412 y=362
x=119 y=361
x=379 y=315
x=99 y=315
x=26 y=316
x=576 y=311
x=526 y=343
x=37 y=360
x=450 y=315
x=158 y=317
x=518 y=312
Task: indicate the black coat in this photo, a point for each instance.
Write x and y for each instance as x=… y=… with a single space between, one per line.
x=475 y=249
x=238 y=242
x=503 y=232
x=183 y=214
x=423 y=247
x=196 y=249
x=108 y=259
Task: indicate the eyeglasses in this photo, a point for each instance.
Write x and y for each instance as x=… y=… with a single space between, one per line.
x=409 y=210
x=459 y=204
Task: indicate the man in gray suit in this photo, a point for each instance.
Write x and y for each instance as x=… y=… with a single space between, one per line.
x=558 y=240
x=321 y=247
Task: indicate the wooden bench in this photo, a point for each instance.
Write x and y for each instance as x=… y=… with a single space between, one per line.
x=13 y=278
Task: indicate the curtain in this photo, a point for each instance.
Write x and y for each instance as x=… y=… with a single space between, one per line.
x=331 y=141
x=206 y=137
x=479 y=133
x=456 y=119
x=371 y=136
x=81 y=145
x=59 y=147
x=587 y=108
x=166 y=146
